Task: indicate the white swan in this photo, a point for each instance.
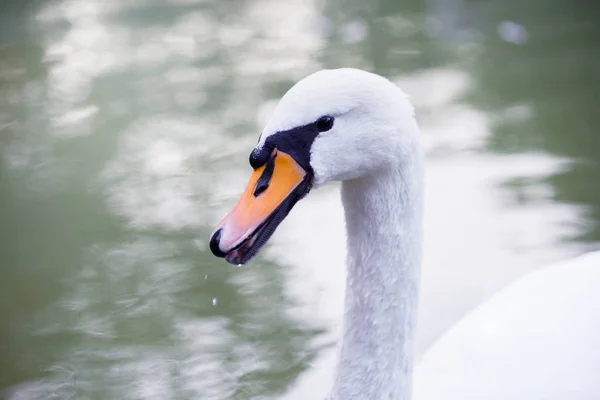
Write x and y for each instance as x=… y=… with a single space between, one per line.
x=359 y=128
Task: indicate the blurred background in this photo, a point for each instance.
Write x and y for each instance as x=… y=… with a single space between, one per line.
x=125 y=129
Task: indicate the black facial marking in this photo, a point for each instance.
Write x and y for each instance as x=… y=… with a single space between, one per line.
x=296 y=142
x=265 y=178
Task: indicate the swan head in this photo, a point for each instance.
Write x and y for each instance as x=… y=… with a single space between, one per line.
x=333 y=125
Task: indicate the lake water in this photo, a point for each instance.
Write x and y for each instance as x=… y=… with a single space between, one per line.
x=125 y=129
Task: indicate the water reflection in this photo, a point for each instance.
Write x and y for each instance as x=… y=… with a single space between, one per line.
x=554 y=74
x=125 y=128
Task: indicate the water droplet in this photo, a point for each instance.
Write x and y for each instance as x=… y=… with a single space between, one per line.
x=205 y=276
x=214 y=302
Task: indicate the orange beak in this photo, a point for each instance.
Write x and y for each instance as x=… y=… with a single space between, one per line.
x=272 y=191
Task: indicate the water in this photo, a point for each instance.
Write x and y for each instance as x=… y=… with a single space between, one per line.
x=125 y=128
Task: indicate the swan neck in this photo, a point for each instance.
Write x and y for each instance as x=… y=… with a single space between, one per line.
x=383 y=223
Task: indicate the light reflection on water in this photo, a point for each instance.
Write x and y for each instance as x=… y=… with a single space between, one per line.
x=125 y=141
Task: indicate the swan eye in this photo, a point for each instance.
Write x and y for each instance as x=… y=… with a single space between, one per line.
x=324 y=123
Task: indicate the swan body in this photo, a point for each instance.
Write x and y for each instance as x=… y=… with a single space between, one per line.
x=359 y=128
x=538 y=338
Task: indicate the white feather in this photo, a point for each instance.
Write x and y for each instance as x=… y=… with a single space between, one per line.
x=539 y=338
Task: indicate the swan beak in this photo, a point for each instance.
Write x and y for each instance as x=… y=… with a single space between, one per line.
x=272 y=191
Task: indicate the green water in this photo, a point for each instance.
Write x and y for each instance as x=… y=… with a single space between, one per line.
x=125 y=128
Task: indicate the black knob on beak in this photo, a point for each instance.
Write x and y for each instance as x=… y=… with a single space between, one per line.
x=259 y=157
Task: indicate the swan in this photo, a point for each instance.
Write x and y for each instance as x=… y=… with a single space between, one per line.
x=359 y=128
